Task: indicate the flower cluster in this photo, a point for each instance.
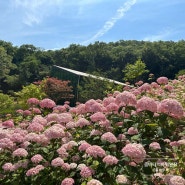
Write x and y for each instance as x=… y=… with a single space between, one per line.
x=118 y=140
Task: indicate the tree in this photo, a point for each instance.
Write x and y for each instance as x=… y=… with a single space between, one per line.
x=5 y=63
x=58 y=90
x=7 y=104
x=91 y=88
x=29 y=91
x=132 y=72
x=180 y=73
x=29 y=70
x=6 y=66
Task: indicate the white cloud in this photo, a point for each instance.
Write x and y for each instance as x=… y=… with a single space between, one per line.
x=159 y=36
x=111 y=22
x=35 y=11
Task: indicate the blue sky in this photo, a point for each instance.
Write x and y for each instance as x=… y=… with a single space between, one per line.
x=55 y=24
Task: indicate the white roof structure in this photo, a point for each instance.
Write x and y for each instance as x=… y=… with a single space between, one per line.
x=92 y=76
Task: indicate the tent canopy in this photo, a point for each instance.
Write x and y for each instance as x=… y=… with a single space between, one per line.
x=91 y=76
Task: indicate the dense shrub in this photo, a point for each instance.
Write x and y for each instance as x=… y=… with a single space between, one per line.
x=132 y=137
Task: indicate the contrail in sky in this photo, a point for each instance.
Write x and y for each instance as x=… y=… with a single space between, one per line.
x=111 y=22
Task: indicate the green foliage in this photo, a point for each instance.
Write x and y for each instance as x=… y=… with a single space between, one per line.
x=91 y=88
x=6 y=65
x=180 y=73
x=7 y=104
x=29 y=91
x=133 y=72
x=25 y=64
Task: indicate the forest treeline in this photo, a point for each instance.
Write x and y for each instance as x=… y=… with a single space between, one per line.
x=20 y=66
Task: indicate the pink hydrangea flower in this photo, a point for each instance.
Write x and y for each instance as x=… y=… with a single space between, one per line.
x=8 y=124
x=112 y=107
x=32 y=137
x=35 y=110
x=174 y=180
x=53 y=117
x=57 y=162
x=20 y=164
x=98 y=116
x=39 y=119
x=39 y=167
x=121 y=137
x=93 y=106
x=84 y=145
x=82 y=122
x=146 y=87
x=59 y=109
x=19 y=111
x=162 y=80
x=17 y=137
x=94 y=182
x=33 y=101
x=121 y=179
x=95 y=151
x=155 y=146
x=108 y=100
x=7 y=167
x=135 y=151
x=35 y=127
x=168 y=87
x=139 y=83
x=171 y=107
x=167 y=140
x=110 y=160
x=6 y=143
x=126 y=98
x=80 y=109
x=20 y=131
x=95 y=132
x=54 y=132
x=62 y=152
x=146 y=103
x=108 y=136
x=132 y=163
x=34 y=170
x=65 y=117
x=86 y=172
x=174 y=143
x=37 y=158
x=68 y=181
x=73 y=165
x=47 y=103
x=20 y=152
x=132 y=131
x=27 y=113
x=105 y=123
x=66 y=166
x=71 y=125
x=155 y=85
x=43 y=140
x=69 y=145
x=181 y=142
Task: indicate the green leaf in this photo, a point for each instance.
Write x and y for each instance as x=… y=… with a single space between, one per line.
x=96 y=163
x=45 y=150
x=152 y=124
x=135 y=138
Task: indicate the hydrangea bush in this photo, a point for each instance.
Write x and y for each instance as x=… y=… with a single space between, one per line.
x=132 y=137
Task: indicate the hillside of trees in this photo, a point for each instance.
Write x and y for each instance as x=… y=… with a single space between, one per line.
x=20 y=66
